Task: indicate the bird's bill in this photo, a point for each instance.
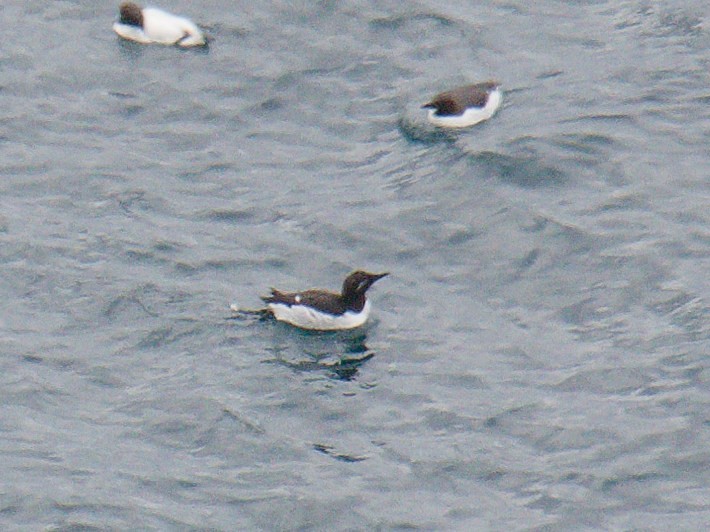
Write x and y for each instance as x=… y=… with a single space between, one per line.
x=378 y=276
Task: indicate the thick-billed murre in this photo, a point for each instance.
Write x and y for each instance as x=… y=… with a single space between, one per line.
x=464 y=106
x=324 y=310
x=152 y=25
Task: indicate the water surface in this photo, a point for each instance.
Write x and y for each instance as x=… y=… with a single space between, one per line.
x=538 y=358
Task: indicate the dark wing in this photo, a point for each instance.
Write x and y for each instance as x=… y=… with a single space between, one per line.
x=456 y=101
x=280 y=297
x=477 y=95
x=447 y=105
x=319 y=299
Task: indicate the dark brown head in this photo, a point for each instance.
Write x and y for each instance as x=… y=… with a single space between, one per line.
x=456 y=101
x=131 y=14
x=357 y=283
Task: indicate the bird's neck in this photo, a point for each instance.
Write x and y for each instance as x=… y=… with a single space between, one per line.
x=354 y=302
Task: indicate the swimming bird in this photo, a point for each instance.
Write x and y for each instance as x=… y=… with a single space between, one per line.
x=323 y=310
x=465 y=106
x=153 y=25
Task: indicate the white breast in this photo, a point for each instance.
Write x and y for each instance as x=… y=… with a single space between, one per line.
x=471 y=116
x=162 y=28
x=309 y=318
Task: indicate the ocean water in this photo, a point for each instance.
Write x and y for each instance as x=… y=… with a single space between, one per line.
x=537 y=359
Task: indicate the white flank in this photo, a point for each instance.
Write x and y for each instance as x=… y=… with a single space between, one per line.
x=309 y=318
x=471 y=116
x=162 y=28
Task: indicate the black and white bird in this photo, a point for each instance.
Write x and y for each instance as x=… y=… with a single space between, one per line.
x=153 y=25
x=465 y=106
x=323 y=310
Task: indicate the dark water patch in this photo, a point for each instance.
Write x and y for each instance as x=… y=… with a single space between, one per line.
x=299 y=81
x=536 y=224
x=528 y=261
x=661 y=389
x=679 y=23
x=247 y=316
x=123 y=95
x=549 y=74
x=631 y=16
x=703 y=99
x=606 y=118
x=450 y=422
x=219 y=32
x=688 y=464
x=223 y=265
x=213 y=169
x=695 y=248
x=580 y=41
x=683 y=361
x=149 y=301
x=417 y=130
x=228 y=216
x=329 y=450
x=134 y=201
x=506 y=417
x=545 y=503
x=243 y=421
x=592 y=144
x=10 y=509
x=137 y=256
x=607 y=381
x=76 y=526
x=158 y=337
x=400 y=22
x=584 y=311
x=657 y=96
x=687 y=312
x=460 y=235
x=674 y=304
x=131 y=110
x=576 y=438
x=212 y=265
x=630 y=481
x=401 y=34
x=526 y=171
x=130 y=301
x=104 y=377
x=621 y=203
x=270 y=105
x=164 y=246
x=518 y=358
x=462 y=380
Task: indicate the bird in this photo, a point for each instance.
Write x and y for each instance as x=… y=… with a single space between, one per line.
x=153 y=25
x=464 y=106
x=323 y=310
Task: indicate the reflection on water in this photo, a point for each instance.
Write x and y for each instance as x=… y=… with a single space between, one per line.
x=338 y=354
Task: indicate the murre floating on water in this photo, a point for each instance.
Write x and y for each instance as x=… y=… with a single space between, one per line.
x=153 y=25
x=323 y=310
x=465 y=106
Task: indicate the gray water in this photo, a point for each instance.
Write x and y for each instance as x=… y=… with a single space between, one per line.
x=537 y=359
